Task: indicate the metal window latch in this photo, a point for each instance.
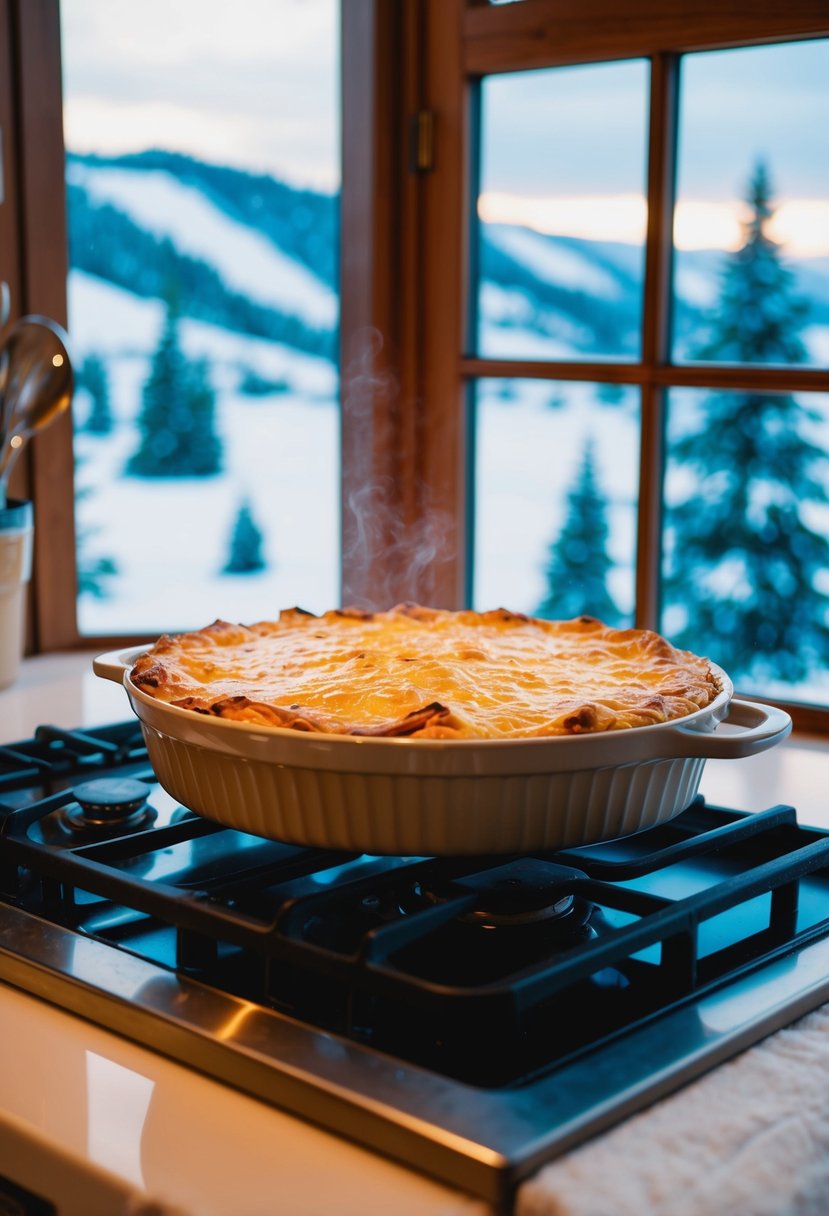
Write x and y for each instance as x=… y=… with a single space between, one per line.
x=422 y=141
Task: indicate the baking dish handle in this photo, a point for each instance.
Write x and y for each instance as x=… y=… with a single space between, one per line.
x=765 y=725
x=113 y=664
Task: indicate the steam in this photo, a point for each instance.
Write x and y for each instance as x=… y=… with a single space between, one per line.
x=394 y=543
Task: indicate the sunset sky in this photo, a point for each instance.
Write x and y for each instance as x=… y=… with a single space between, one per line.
x=256 y=84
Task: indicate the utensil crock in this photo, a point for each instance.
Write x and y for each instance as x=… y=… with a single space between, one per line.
x=16 y=533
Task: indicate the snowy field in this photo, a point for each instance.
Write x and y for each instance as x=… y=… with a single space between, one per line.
x=169 y=537
x=528 y=453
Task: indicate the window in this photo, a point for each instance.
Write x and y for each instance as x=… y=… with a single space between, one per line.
x=678 y=376
x=556 y=485
x=560 y=241
x=202 y=308
x=502 y=376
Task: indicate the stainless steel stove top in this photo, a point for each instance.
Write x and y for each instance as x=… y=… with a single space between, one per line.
x=473 y=1018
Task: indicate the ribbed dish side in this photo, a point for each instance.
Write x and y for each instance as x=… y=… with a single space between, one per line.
x=424 y=815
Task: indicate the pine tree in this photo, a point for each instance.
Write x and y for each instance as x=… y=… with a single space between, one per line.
x=177 y=419
x=757 y=317
x=578 y=563
x=246 y=542
x=94 y=571
x=93 y=377
x=743 y=559
x=204 y=449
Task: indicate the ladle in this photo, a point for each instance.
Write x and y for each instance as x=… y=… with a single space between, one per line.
x=35 y=385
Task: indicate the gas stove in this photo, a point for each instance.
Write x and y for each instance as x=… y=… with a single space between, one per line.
x=474 y=1017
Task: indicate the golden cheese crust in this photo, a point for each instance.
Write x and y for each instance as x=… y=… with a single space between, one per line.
x=426 y=673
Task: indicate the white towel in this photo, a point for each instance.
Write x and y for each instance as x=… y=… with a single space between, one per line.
x=750 y=1138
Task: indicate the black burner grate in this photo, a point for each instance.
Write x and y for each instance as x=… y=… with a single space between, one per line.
x=41 y=764
x=488 y=969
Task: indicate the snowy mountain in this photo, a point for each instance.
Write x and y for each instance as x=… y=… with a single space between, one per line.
x=259 y=257
x=246 y=258
x=245 y=253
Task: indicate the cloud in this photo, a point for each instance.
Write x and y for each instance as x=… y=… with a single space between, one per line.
x=254 y=83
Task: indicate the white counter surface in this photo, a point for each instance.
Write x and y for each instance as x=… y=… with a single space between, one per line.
x=157 y=1129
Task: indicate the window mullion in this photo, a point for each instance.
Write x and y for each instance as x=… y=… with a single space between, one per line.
x=656 y=328
x=370 y=308
x=444 y=203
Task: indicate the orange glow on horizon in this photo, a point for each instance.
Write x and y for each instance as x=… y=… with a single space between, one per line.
x=800 y=226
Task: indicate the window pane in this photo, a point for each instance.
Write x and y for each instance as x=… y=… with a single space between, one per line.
x=747 y=543
x=562 y=211
x=752 y=219
x=202 y=175
x=556 y=479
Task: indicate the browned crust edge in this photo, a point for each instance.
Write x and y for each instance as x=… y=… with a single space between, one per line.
x=151 y=675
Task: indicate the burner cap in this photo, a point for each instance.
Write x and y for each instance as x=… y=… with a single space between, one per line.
x=521 y=892
x=109 y=804
x=109 y=798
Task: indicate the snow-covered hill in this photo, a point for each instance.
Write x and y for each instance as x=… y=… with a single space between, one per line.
x=169 y=538
x=246 y=260
x=258 y=256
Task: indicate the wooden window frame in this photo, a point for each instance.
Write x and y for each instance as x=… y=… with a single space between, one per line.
x=460 y=42
x=405 y=250
x=33 y=260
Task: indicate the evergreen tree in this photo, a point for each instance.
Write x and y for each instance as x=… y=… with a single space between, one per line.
x=246 y=542
x=253 y=384
x=578 y=563
x=93 y=377
x=204 y=448
x=610 y=394
x=94 y=574
x=94 y=571
x=743 y=559
x=757 y=317
x=177 y=419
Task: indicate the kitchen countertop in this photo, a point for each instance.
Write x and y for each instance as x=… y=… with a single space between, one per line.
x=233 y=1171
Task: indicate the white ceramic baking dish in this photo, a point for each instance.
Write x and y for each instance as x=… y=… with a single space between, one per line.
x=419 y=797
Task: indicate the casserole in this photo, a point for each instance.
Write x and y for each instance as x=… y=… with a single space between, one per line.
x=439 y=796
x=427 y=673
